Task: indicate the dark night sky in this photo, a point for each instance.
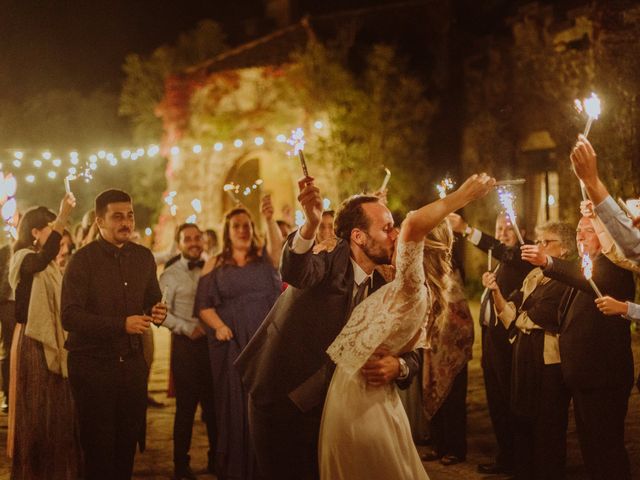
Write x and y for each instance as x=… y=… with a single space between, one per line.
x=81 y=44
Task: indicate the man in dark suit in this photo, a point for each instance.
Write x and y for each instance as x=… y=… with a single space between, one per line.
x=496 y=348
x=285 y=366
x=597 y=364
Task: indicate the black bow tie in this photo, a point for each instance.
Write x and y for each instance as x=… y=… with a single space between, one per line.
x=195 y=264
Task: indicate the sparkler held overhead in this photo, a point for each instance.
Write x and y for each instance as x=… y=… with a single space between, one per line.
x=444 y=186
x=507 y=183
x=506 y=200
x=591 y=106
x=232 y=189
x=297 y=142
x=385 y=182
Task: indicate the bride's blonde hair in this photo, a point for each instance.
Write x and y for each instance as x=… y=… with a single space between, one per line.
x=438 y=271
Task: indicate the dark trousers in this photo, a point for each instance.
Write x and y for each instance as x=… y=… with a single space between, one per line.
x=496 y=369
x=285 y=440
x=7 y=325
x=193 y=384
x=111 y=398
x=600 y=415
x=541 y=439
x=449 y=424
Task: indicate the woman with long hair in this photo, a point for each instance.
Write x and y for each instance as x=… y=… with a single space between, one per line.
x=233 y=300
x=45 y=437
x=450 y=344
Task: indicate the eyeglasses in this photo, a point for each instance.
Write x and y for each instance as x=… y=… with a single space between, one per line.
x=546 y=243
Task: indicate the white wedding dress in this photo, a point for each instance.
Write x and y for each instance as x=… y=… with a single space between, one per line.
x=365 y=433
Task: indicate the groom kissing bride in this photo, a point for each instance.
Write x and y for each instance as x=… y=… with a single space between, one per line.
x=286 y=368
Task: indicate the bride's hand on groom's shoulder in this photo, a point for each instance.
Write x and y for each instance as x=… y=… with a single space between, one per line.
x=381 y=368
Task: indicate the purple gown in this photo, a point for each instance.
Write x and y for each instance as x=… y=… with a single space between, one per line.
x=242 y=297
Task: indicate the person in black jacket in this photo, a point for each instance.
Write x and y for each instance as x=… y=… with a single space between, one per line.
x=285 y=367
x=539 y=397
x=110 y=296
x=496 y=349
x=597 y=364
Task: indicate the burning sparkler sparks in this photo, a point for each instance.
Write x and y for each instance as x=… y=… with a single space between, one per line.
x=444 y=186
x=297 y=142
x=587 y=271
x=507 y=199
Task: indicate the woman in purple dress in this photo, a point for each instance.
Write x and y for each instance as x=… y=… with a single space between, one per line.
x=233 y=300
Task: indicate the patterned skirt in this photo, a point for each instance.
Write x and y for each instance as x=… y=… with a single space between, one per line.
x=46 y=442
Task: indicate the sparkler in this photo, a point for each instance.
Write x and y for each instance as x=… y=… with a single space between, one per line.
x=624 y=208
x=67 y=179
x=232 y=189
x=587 y=271
x=385 y=182
x=506 y=199
x=444 y=186
x=490 y=257
x=297 y=142
x=165 y=295
x=591 y=106
x=507 y=183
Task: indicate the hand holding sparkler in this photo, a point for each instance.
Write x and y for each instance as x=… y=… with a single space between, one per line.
x=591 y=106
x=311 y=203
x=585 y=165
x=611 y=306
x=159 y=313
x=534 y=255
x=266 y=207
x=67 y=204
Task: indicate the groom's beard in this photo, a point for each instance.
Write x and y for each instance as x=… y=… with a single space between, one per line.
x=377 y=253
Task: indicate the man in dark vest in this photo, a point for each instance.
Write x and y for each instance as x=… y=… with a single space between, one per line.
x=285 y=367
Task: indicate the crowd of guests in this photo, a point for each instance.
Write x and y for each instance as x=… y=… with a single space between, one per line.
x=76 y=310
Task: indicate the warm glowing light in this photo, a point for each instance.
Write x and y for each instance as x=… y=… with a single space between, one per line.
x=57 y=162
x=173 y=210
x=444 y=186
x=551 y=200
x=507 y=199
x=37 y=163
x=46 y=155
x=193 y=218
x=197 y=148
x=74 y=160
x=218 y=147
x=197 y=205
x=140 y=152
x=148 y=231
x=102 y=154
x=318 y=124
x=93 y=166
x=237 y=143
x=592 y=106
x=92 y=159
x=17 y=163
x=51 y=174
x=30 y=178
x=326 y=204
x=175 y=150
x=587 y=265
x=125 y=154
x=113 y=162
x=296 y=141
x=153 y=150
x=73 y=171
x=281 y=138
x=259 y=141
x=18 y=155
x=299 y=219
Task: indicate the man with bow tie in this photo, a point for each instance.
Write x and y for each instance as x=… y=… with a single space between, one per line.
x=189 y=351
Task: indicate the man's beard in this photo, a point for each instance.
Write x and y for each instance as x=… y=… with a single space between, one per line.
x=377 y=254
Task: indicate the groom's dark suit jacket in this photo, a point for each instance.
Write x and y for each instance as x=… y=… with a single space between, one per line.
x=287 y=355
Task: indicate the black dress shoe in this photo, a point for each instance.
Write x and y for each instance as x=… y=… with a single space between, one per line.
x=494 y=469
x=184 y=474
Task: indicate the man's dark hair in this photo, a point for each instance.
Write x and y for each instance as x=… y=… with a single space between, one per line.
x=330 y=213
x=110 y=196
x=184 y=226
x=351 y=215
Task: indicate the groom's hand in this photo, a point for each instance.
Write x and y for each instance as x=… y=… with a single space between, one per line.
x=381 y=368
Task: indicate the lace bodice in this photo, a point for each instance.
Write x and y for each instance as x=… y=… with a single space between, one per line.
x=391 y=316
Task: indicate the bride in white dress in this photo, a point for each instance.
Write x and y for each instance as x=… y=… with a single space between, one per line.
x=365 y=433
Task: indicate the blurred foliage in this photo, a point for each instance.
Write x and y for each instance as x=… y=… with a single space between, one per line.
x=143 y=88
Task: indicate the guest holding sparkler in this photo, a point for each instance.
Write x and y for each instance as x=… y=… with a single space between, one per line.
x=496 y=349
x=625 y=231
x=110 y=297
x=597 y=364
x=233 y=300
x=46 y=443
x=539 y=397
